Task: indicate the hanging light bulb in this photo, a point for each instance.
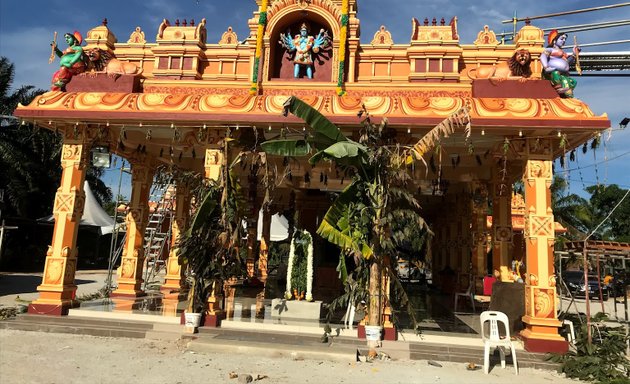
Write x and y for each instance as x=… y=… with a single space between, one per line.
x=408 y=130
x=237 y=127
x=483 y=132
x=520 y=133
x=270 y=128
x=559 y=134
x=107 y=124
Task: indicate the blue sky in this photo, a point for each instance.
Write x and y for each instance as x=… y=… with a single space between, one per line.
x=27 y=26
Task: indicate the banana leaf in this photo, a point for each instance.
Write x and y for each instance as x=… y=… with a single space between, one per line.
x=206 y=209
x=287 y=147
x=326 y=133
x=335 y=227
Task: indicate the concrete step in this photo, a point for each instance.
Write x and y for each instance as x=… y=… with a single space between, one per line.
x=17 y=324
x=86 y=321
x=328 y=352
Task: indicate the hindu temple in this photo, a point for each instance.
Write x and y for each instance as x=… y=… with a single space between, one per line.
x=172 y=95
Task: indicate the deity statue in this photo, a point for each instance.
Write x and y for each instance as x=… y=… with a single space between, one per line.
x=556 y=62
x=305 y=47
x=72 y=61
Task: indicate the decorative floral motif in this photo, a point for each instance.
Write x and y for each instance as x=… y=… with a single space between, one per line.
x=262 y=23
x=343 y=37
x=543 y=303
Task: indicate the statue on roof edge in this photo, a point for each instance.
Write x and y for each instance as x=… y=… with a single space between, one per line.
x=555 y=63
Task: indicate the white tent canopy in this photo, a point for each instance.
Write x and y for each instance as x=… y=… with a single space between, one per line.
x=93 y=214
x=279 y=227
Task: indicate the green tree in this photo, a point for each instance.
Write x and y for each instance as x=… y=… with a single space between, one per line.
x=603 y=200
x=572 y=211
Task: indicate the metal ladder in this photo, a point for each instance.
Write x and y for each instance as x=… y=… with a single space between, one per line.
x=157 y=234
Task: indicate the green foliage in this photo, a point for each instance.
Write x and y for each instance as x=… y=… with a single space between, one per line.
x=301 y=243
x=211 y=246
x=603 y=361
x=603 y=199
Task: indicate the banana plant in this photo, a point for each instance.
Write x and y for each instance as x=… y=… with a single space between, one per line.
x=368 y=218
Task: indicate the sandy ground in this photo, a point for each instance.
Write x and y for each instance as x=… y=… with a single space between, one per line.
x=34 y=357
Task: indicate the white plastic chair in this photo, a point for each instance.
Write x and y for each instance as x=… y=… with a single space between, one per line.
x=571 y=333
x=495 y=339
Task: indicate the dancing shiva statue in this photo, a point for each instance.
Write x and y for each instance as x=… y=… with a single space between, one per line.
x=304 y=47
x=555 y=63
x=72 y=61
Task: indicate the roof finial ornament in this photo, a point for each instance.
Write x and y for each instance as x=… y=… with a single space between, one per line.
x=104 y=22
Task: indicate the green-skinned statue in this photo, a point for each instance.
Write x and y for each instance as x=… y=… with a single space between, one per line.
x=556 y=62
x=72 y=61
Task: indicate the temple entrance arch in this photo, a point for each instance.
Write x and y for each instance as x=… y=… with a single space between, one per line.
x=279 y=64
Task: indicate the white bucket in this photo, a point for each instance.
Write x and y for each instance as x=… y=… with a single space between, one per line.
x=192 y=319
x=373 y=332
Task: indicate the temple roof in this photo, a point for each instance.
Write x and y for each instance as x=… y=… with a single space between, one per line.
x=409 y=108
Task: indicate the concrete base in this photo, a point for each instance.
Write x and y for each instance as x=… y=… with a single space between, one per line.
x=390 y=334
x=213 y=321
x=293 y=309
x=532 y=344
x=50 y=309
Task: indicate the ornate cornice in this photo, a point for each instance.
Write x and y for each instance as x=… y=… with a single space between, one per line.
x=404 y=104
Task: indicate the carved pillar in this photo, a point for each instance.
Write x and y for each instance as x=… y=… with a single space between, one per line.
x=389 y=329
x=57 y=291
x=252 y=224
x=265 y=242
x=453 y=229
x=130 y=271
x=463 y=236
x=174 y=279
x=501 y=219
x=541 y=332
x=479 y=236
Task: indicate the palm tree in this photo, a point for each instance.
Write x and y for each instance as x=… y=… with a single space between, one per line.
x=29 y=156
x=571 y=210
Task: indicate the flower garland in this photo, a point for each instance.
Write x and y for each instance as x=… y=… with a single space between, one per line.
x=343 y=37
x=262 y=23
x=309 y=267
x=288 y=294
x=307 y=244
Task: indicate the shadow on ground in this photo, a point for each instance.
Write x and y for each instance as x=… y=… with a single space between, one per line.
x=11 y=284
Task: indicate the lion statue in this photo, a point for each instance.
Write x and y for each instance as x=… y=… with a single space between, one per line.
x=518 y=66
x=102 y=61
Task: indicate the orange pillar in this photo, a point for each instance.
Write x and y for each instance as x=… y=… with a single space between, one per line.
x=213 y=163
x=541 y=320
x=174 y=279
x=463 y=237
x=57 y=291
x=265 y=243
x=129 y=273
x=501 y=219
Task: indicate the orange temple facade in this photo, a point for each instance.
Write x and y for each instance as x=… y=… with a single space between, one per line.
x=176 y=98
